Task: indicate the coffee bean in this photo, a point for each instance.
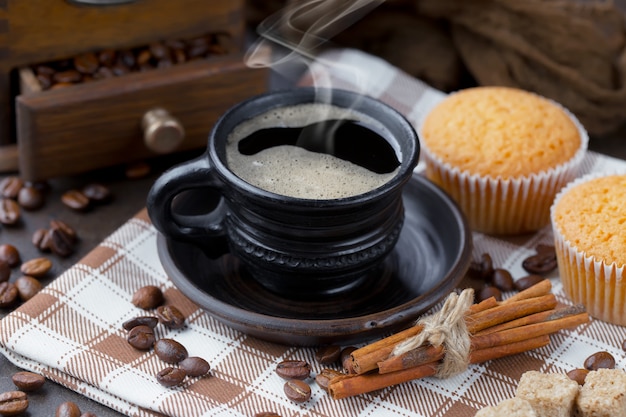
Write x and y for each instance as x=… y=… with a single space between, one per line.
x=624 y=345
x=489 y=291
x=10 y=212
x=170 y=351
x=141 y=337
x=70 y=76
x=502 y=280
x=10 y=255
x=541 y=263
x=28 y=381
x=37 y=267
x=143 y=58
x=600 y=360
x=328 y=354
x=297 y=390
x=30 y=198
x=195 y=366
x=170 y=377
x=293 y=369
x=325 y=376
x=64 y=228
x=266 y=414
x=149 y=321
x=578 y=375
x=41 y=240
x=87 y=63
x=97 y=193
x=170 y=317
x=27 y=287
x=75 y=200
x=107 y=57
x=13 y=403
x=60 y=243
x=148 y=297
x=67 y=409
x=10 y=187
x=8 y=294
x=88 y=414
x=346 y=359
x=528 y=281
x=5 y=271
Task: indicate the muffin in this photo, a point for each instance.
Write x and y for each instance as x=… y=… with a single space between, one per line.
x=589 y=226
x=502 y=154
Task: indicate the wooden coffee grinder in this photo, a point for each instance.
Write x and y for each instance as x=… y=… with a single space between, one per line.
x=51 y=132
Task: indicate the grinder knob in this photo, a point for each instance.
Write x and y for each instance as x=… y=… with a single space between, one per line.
x=162 y=132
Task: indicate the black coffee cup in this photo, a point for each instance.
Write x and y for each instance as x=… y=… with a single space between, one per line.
x=297 y=247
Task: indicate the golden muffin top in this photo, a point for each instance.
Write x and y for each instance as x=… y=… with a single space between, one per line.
x=500 y=132
x=592 y=217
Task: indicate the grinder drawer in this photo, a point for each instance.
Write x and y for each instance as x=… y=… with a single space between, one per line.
x=96 y=124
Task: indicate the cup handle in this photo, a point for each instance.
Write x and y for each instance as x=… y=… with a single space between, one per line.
x=194 y=174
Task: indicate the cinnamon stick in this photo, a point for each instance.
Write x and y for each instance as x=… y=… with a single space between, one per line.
x=351 y=385
x=541 y=288
x=540 y=317
x=509 y=311
x=483 y=305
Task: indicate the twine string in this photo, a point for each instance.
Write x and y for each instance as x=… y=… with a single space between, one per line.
x=445 y=328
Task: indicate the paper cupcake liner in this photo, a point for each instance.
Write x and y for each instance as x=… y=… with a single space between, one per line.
x=506 y=206
x=597 y=284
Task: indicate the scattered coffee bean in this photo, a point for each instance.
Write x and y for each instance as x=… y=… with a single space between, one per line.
x=170 y=317
x=10 y=212
x=488 y=291
x=5 y=271
x=148 y=297
x=28 y=381
x=578 y=375
x=37 y=267
x=59 y=243
x=624 y=345
x=346 y=359
x=327 y=355
x=267 y=414
x=8 y=294
x=141 y=337
x=13 y=403
x=600 y=360
x=293 y=369
x=10 y=255
x=170 y=376
x=30 y=198
x=41 y=240
x=75 y=200
x=10 y=187
x=149 y=321
x=97 y=193
x=541 y=263
x=325 y=376
x=297 y=390
x=170 y=351
x=502 y=280
x=27 y=287
x=86 y=63
x=67 y=409
x=195 y=366
x=88 y=414
x=483 y=268
x=68 y=232
x=528 y=281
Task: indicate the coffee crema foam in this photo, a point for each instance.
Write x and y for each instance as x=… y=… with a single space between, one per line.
x=294 y=171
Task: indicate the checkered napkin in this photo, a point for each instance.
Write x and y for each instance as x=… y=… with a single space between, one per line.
x=72 y=331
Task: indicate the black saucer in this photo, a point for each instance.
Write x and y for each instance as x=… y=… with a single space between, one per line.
x=430 y=259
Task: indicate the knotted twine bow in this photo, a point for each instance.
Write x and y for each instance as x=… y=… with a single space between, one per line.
x=446 y=327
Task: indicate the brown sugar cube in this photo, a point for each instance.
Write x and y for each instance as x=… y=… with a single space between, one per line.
x=511 y=407
x=603 y=394
x=550 y=394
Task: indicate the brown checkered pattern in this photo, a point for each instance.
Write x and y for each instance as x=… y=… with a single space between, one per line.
x=72 y=330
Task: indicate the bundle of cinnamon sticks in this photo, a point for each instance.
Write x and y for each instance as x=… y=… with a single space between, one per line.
x=496 y=329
